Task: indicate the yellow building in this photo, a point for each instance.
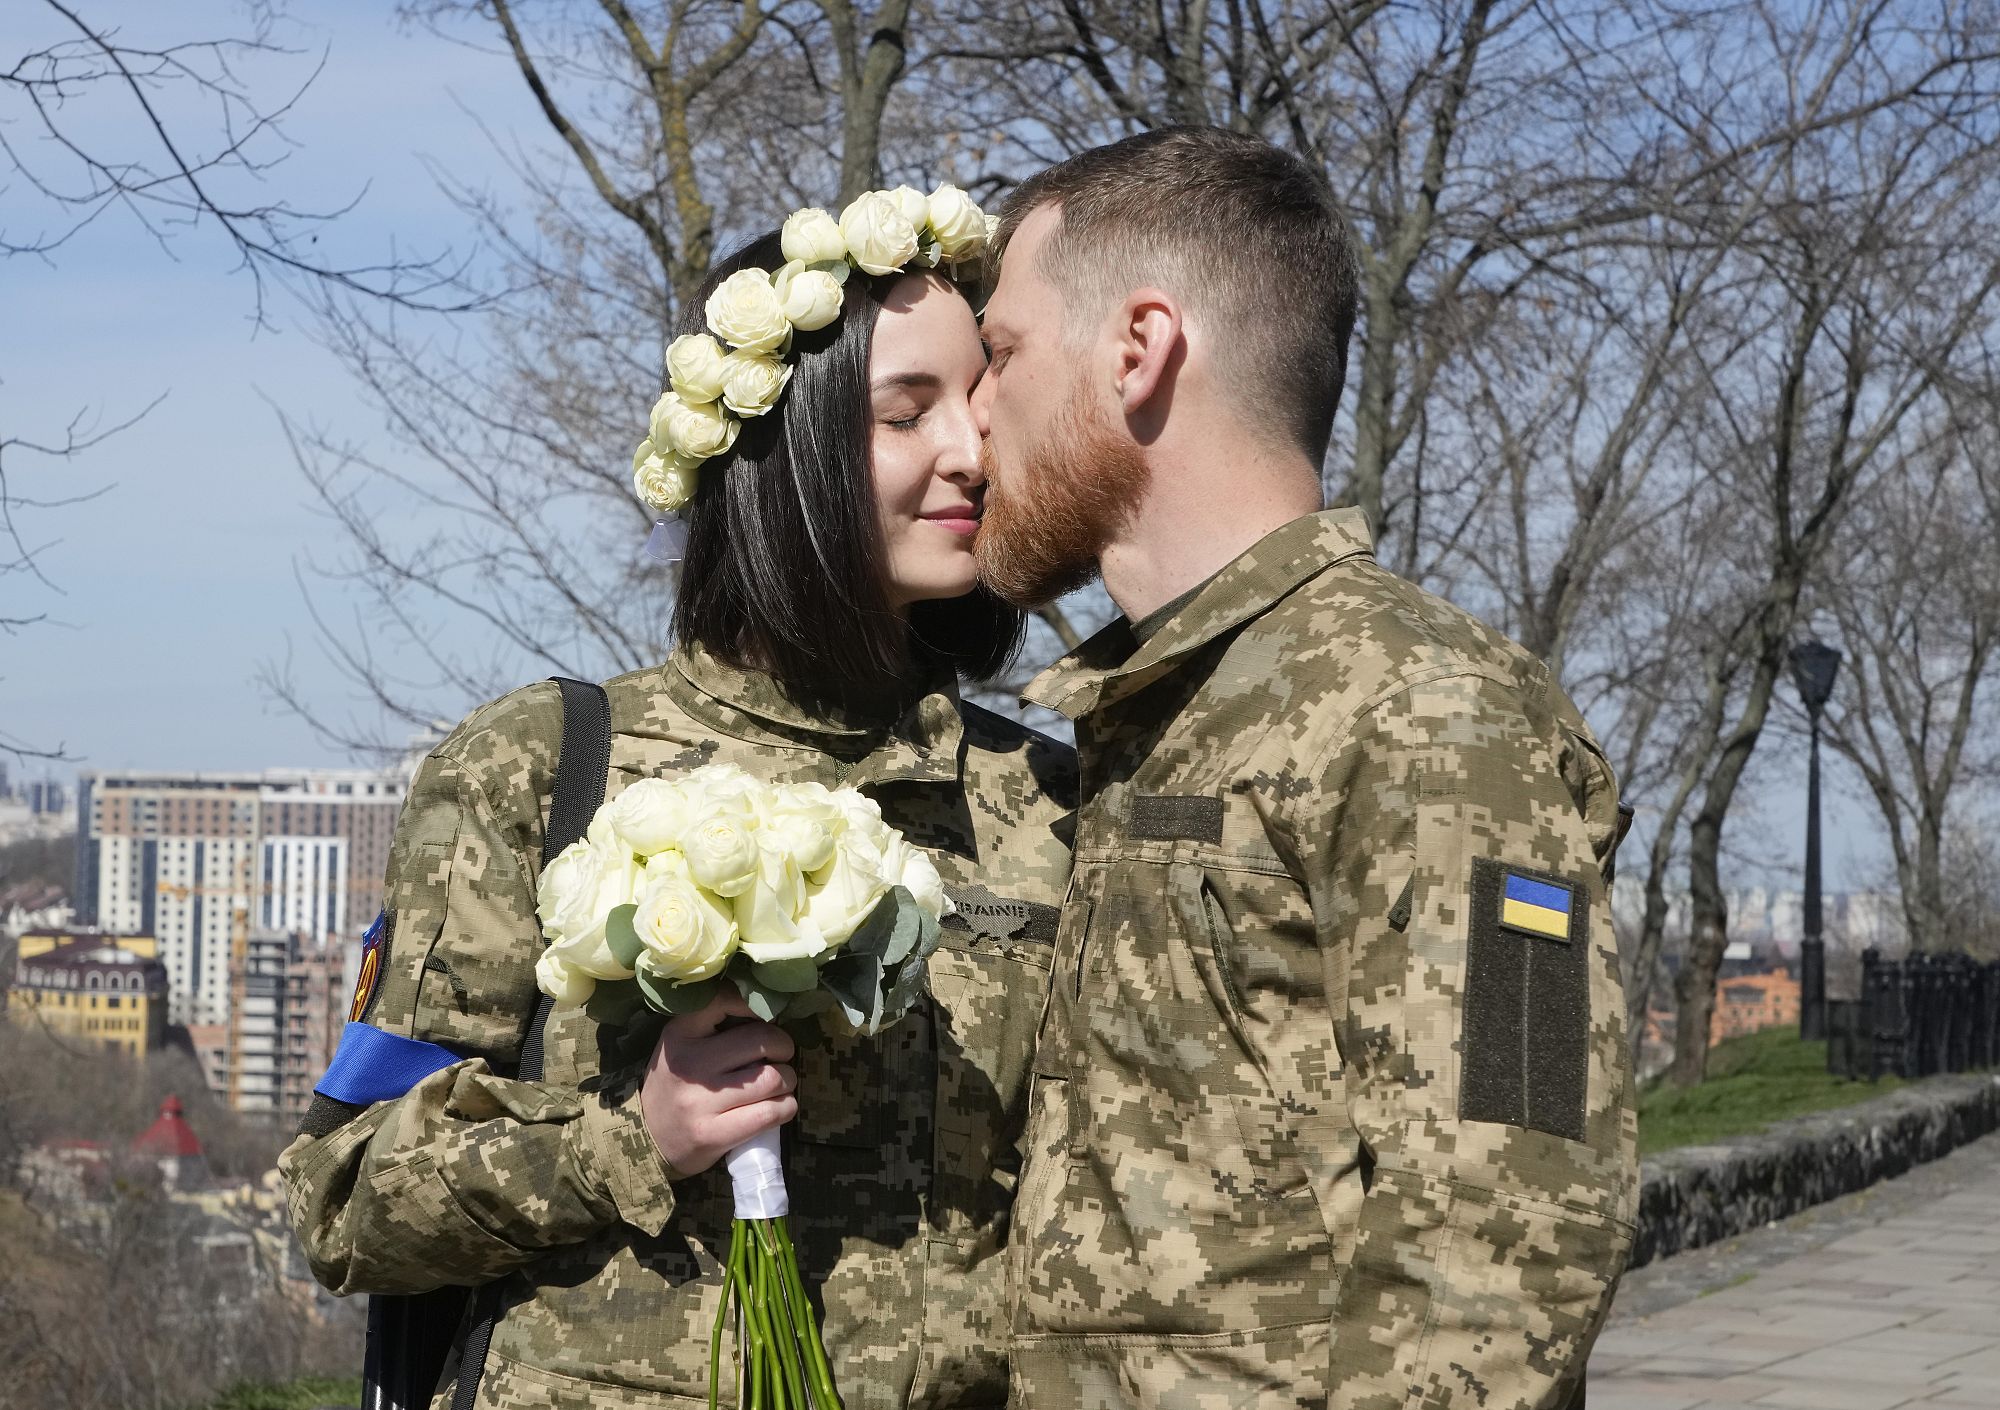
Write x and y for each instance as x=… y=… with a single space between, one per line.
x=88 y=986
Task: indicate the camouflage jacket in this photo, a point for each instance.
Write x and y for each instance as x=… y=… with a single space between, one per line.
x=1331 y=1100
x=902 y=1162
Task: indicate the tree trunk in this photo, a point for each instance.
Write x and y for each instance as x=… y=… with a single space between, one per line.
x=1709 y=910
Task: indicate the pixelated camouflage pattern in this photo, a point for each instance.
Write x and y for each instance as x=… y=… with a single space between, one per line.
x=902 y=1163
x=1248 y=1182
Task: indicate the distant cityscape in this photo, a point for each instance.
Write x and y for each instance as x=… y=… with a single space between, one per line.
x=223 y=912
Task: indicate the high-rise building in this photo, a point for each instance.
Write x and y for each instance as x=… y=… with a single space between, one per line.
x=45 y=796
x=287 y=1004
x=201 y=860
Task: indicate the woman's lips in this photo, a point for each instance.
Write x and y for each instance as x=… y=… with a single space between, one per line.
x=963 y=524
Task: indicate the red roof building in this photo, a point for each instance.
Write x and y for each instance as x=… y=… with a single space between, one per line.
x=173 y=1143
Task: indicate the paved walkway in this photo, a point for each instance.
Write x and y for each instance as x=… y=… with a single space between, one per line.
x=1887 y=1298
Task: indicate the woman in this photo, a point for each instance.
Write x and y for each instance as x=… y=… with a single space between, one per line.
x=827 y=606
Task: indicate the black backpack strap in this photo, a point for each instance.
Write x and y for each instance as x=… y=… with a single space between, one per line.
x=578 y=792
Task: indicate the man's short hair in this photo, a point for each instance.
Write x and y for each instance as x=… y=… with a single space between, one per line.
x=1248 y=237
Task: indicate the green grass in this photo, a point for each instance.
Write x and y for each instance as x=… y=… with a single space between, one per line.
x=307 y=1394
x=1752 y=1082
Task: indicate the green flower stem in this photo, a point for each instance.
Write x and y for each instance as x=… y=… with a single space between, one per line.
x=782 y=1305
x=781 y=1360
x=819 y=1372
x=721 y=1319
x=761 y=1284
x=753 y=1331
x=775 y=1333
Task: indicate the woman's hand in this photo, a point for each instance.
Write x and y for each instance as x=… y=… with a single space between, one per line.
x=708 y=1088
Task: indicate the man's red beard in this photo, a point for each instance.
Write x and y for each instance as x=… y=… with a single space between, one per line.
x=1044 y=526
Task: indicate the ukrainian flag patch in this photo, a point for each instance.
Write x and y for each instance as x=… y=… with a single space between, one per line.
x=1537 y=907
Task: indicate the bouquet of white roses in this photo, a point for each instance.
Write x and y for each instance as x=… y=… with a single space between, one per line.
x=803 y=899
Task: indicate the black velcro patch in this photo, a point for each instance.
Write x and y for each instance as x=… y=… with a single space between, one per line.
x=1526 y=1012
x=1003 y=917
x=1170 y=817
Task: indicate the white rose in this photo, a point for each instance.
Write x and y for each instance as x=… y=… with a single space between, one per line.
x=563 y=981
x=767 y=914
x=721 y=849
x=910 y=868
x=686 y=934
x=912 y=203
x=880 y=238
x=811 y=236
x=811 y=297
x=960 y=226
x=844 y=892
x=694 y=363
x=752 y=382
x=697 y=431
x=578 y=890
x=743 y=311
x=651 y=815
x=861 y=816
x=727 y=783
x=665 y=482
x=801 y=825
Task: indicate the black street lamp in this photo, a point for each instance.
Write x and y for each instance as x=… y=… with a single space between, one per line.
x=1814 y=665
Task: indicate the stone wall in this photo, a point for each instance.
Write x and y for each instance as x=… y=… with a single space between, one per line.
x=1699 y=1194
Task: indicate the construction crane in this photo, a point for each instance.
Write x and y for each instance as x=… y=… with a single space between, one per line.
x=239 y=955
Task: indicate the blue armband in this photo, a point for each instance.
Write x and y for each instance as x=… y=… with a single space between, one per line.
x=373 y=1066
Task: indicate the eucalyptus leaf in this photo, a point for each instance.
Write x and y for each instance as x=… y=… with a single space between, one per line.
x=811 y=1005
x=932 y=930
x=676 y=998
x=839 y=269
x=855 y=981
x=767 y=1004
x=911 y=984
x=621 y=937
x=614 y=1003
x=872 y=936
x=793 y=976
x=905 y=926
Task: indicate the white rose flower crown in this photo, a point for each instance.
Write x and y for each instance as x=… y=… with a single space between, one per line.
x=739 y=368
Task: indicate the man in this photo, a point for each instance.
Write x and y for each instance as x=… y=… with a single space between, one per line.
x=1331 y=1098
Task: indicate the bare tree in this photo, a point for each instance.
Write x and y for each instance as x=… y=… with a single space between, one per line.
x=499 y=537
x=1878 y=273
x=1652 y=295
x=1918 y=606
x=172 y=137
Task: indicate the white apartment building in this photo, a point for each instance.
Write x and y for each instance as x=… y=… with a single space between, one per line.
x=201 y=859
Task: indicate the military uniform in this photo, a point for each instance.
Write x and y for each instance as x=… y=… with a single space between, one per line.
x=902 y=1161
x=1331 y=1098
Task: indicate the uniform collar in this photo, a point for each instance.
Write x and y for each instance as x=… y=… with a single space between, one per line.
x=918 y=739
x=1112 y=664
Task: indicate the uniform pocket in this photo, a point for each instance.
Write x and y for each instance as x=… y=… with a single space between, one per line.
x=1265 y=1368
x=1178 y=1206
x=508 y=1384
x=988 y=1002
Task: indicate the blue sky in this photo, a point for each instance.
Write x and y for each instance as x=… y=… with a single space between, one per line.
x=178 y=582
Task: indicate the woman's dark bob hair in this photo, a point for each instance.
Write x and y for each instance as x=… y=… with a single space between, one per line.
x=785 y=569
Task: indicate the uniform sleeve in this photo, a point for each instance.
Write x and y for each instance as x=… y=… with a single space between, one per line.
x=1453 y=847
x=468 y=1174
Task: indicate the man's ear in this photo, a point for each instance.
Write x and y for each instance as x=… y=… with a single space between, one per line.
x=1148 y=339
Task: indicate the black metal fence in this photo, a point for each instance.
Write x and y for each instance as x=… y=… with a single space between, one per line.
x=1916 y=1016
